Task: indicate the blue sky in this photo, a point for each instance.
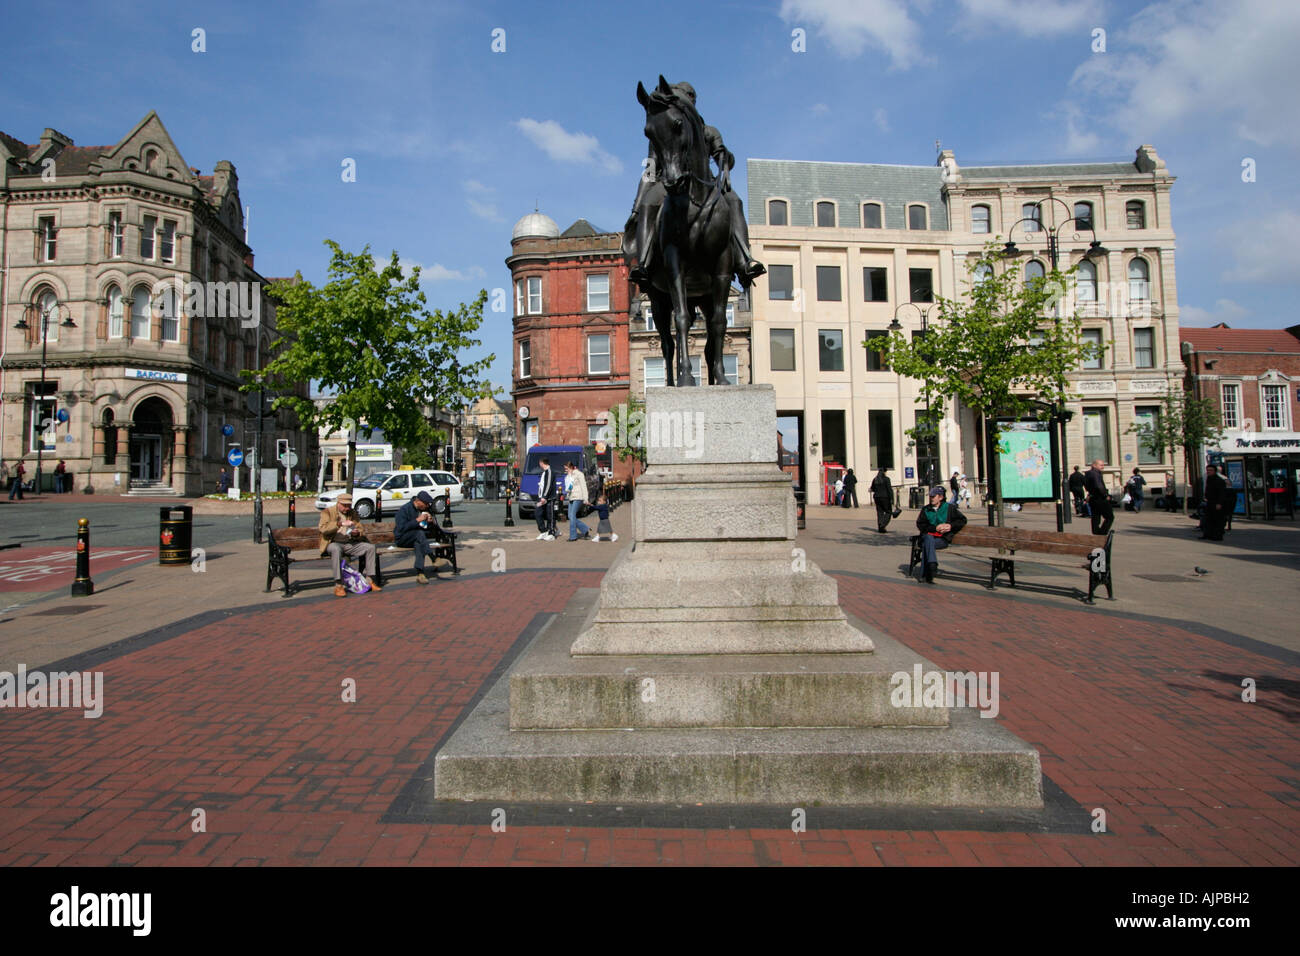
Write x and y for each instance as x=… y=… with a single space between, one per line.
x=453 y=142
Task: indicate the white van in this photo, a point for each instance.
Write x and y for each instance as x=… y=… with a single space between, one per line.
x=395 y=489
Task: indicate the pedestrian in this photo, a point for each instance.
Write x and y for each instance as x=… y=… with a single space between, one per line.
x=341 y=536
x=963 y=491
x=575 y=495
x=17 y=484
x=882 y=493
x=1134 y=489
x=850 y=488
x=839 y=490
x=1171 y=493
x=60 y=471
x=411 y=530
x=1103 y=516
x=4 y=473
x=603 y=526
x=954 y=486
x=223 y=482
x=1216 y=504
x=937 y=522
x=1077 y=490
x=545 y=507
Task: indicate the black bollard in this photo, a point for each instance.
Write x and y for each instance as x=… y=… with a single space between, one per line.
x=446 y=511
x=293 y=511
x=510 y=518
x=82 y=586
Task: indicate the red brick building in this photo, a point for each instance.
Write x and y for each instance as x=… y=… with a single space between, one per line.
x=1253 y=375
x=570 y=334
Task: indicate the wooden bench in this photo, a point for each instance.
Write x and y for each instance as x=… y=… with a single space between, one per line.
x=1007 y=541
x=284 y=543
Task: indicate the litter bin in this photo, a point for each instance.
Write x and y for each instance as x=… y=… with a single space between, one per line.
x=175 y=534
x=801 y=517
x=915 y=500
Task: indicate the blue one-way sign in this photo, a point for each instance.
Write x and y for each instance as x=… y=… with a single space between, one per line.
x=235 y=457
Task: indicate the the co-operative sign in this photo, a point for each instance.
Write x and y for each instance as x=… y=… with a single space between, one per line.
x=155 y=375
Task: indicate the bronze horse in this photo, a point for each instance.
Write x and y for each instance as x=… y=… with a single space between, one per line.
x=695 y=262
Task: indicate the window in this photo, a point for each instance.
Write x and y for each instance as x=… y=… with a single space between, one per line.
x=777 y=213
x=214 y=346
x=880 y=434
x=830 y=350
x=397 y=483
x=169 y=311
x=780 y=282
x=167 y=243
x=826 y=214
x=828 y=283
x=1135 y=211
x=110 y=437
x=147 y=229
x=47 y=305
x=731 y=315
x=1147 y=420
x=730 y=369
x=982 y=273
x=781 y=343
x=649 y=319
x=41 y=409
x=525 y=358
x=1144 y=348
x=534 y=295
x=1096 y=434
x=519 y=297
x=48 y=241
x=980 y=219
x=1083 y=215
x=231 y=358
x=598 y=293
x=1231 y=406
x=921 y=284
x=876 y=359
x=421 y=480
x=1085 y=289
x=150 y=160
x=1093 y=337
x=1274 y=401
x=140 y=314
x=916 y=218
x=115 y=311
x=598 y=354
x=116 y=235
x=1034 y=213
x=1138 y=275
x=871 y=216
x=1035 y=272
x=654 y=372
x=875 y=284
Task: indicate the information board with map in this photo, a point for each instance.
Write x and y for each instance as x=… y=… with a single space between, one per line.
x=1025 y=461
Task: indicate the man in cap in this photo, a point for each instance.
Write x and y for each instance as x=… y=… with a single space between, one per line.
x=341 y=536
x=937 y=523
x=411 y=530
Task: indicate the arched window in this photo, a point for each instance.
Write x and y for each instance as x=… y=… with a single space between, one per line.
x=140 y=313
x=167 y=306
x=1034 y=213
x=150 y=160
x=1083 y=215
x=116 y=309
x=980 y=219
x=826 y=214
x=1135 y=211
x=872 y=216
x=1086 y=288
x=47 y=312
x=1139 y=275
x=777 y=213
x=1035 y=271
x=983 y=272
x=916 y=218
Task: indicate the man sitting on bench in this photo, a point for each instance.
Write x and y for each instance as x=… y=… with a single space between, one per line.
x=411 y=528
x=937 y=522
x=341 y=537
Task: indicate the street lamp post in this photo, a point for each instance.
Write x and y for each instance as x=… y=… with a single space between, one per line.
x=45 y=309
x=1095 y=251
x=932 y=440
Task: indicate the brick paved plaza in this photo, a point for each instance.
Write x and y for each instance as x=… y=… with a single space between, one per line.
x=221 y=698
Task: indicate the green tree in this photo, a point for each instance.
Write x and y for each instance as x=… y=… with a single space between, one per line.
x=999 y=350
x=626 y=429
x=425 y=456
x=367 y=337
x=1185 y=422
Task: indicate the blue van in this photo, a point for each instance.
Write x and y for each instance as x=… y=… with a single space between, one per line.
x=583 y=455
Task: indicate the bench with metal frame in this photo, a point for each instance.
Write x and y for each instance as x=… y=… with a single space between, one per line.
x=283 y=543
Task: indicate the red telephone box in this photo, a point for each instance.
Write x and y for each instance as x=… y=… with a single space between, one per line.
x=831 y=472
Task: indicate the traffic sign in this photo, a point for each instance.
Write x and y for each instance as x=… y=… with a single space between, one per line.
x=289 y=459
x=235 y=457
x=227 y=430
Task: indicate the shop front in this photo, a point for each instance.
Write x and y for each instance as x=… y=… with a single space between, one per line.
x=1264 y=469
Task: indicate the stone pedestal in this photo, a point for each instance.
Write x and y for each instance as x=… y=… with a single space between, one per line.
x=715 y=664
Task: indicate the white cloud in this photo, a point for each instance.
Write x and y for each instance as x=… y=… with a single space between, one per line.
x=1032 y=18
x=482 y=207
x=1080 y=132
x=1265 y=248
x=1203 y=62
x=1225 y=310
x=437 y=272
x=882 y=119
x=565 y=147
x=850 y=26
x=820 y=109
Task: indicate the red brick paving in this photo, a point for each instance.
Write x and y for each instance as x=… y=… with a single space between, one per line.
x=245 y=719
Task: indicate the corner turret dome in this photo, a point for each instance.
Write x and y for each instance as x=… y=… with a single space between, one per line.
x=535 y=225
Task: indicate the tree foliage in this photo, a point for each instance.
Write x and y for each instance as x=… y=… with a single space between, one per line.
x=1185 y=422
x=367 y=337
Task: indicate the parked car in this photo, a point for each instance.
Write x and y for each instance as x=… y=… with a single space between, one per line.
x=584 y=455
x=394 y=488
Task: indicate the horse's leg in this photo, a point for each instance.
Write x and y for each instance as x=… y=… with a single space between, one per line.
x=662 y=307
x=710 y=344
x=718 y=328
x=681 y=314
